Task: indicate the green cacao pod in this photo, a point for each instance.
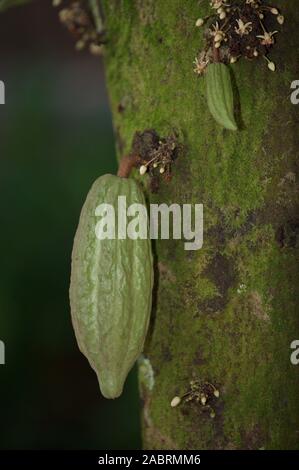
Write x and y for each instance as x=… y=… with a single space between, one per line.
x=111 y=288
x=220 y=95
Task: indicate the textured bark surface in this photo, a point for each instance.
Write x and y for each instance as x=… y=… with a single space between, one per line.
x=228 y=312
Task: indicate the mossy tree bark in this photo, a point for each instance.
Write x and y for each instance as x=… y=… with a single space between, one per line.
x=226 y=313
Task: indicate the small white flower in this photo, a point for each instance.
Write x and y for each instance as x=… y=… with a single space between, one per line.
x=216 y=4
x=243 y=28
x=217 y=33
x=142 y=170
x=216 y=28
x=267 y=38
x=175 y=402
x=199 y=22
x=218 y=37
x=274 y=11
x=96 y=49
x=162 y=170
x=203 y=399
x=65 y=15
x=200 y=63
x=271 y=66
x=241 y=288
x=280 y=19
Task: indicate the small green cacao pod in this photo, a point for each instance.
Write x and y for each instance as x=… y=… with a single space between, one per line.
x=220 y=95
x=111 y=287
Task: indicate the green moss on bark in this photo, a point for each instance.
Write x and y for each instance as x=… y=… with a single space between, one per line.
x=226 y=313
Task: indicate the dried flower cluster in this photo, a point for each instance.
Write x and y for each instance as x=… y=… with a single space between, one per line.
x=83 y=20
x=203 y=393
x=155 y=154
x=235 y=29
x=160 y=157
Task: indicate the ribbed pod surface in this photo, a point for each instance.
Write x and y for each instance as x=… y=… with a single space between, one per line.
x=220 y=95
x=111 y=288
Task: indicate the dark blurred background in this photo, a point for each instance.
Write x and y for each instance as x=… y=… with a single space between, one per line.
x=56 y=137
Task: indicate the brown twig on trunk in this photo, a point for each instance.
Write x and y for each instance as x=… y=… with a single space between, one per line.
x=216 y=55
x=126 y=164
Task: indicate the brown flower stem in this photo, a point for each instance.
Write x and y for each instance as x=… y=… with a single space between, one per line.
x=126 y=164
x=216 y=55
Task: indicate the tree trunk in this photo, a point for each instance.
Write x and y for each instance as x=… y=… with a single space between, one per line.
x=225 y=314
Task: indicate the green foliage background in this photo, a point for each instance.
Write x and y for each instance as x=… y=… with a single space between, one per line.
x=51 y=150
